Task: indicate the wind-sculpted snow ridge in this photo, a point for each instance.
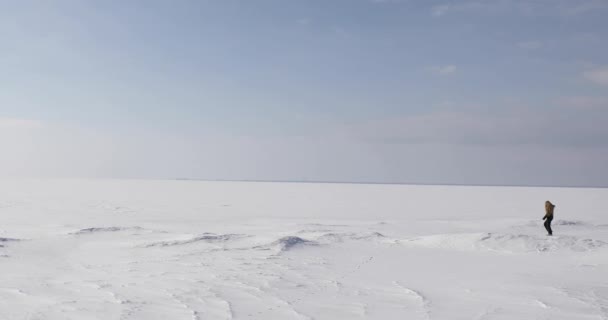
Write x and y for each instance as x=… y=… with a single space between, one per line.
x=421 y=302
x=2 y=245
x=563 y=223
x=527 y=243
x=569 y=223
x=4 y=240
x=205 y=237
x=325 y=225
x=104 y=229
x=506 y=243
x=340 y=237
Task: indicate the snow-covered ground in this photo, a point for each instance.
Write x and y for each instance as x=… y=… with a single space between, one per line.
x=136 y=249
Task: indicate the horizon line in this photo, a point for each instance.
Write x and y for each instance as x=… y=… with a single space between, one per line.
x=389 y=183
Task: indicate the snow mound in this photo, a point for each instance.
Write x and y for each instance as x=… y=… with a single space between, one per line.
x=506 y=243
x=104 y=229
x=287 y=243
x=205 y=237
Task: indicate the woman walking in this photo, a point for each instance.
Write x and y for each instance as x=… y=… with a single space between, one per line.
x=548 y=216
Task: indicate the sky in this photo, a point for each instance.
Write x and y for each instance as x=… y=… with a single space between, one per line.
x=503 y=92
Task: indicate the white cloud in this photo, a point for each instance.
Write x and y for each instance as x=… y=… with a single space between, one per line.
x=438 y=11
x=447 y=147
x=511 y=126
x=444 y=70
x=530 y=45
x=598 y=75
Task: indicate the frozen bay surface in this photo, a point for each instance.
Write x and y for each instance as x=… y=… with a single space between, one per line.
x=140 y=249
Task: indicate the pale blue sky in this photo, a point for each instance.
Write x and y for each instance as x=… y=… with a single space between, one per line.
x=471 y=92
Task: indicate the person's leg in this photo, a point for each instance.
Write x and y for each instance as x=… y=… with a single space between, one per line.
x=546 y=224
x=549 y=226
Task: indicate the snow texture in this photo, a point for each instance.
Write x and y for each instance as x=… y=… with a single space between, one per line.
x=126 y=249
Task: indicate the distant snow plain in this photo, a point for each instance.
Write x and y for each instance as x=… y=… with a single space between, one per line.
x=142 y=249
